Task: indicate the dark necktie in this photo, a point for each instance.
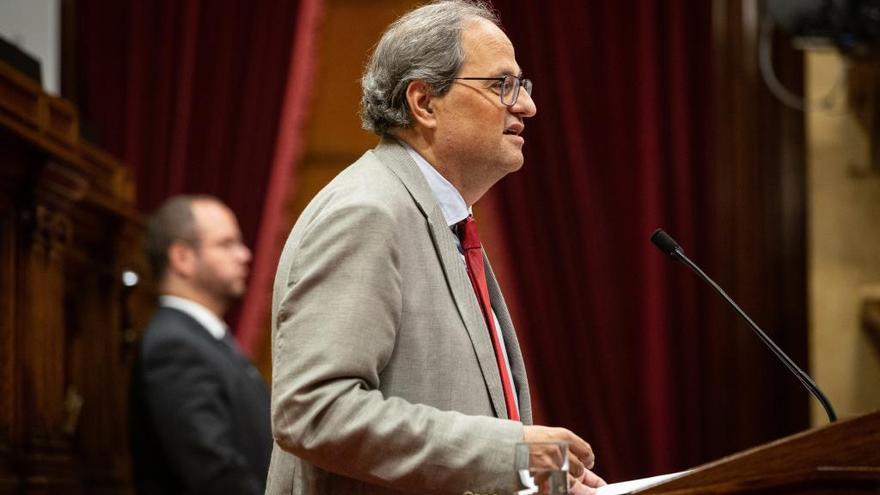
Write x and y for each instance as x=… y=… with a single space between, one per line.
x=232 y=344
x=473 y=255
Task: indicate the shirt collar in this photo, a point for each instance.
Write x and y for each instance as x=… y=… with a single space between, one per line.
x=214 y=325
x=448 y=198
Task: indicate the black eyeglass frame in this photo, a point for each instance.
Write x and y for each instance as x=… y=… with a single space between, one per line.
x=521 y=82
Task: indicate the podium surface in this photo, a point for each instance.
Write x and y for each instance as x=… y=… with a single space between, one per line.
x=840 y=458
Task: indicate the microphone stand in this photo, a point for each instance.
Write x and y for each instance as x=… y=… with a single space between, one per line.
x=668 y=245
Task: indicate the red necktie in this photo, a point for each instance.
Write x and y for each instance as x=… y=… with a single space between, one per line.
x=473 y=255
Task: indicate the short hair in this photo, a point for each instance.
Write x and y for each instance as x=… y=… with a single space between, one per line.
x=172 y=222
x=424 y=44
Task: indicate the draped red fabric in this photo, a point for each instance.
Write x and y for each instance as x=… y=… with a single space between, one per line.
x=202 y=97
x=618 y=338
x=289 y=146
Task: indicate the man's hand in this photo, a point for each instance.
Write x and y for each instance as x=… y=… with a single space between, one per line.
x=586 y=484
x=580 y=454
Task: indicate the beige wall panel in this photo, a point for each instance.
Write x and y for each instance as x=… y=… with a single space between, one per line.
x=348 y=34
x=844 y=247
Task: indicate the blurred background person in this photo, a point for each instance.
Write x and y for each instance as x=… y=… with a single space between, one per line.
x=199 y=409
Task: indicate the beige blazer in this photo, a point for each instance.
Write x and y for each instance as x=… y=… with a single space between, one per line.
x=384 y=378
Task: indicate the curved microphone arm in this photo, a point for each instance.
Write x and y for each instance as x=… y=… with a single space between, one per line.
x=667 y=244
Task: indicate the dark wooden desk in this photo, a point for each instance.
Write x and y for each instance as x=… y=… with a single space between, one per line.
x=842 y=458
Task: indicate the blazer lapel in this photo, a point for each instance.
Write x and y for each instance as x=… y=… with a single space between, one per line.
x=398 y=160
x=511 y=343
x=468 y=308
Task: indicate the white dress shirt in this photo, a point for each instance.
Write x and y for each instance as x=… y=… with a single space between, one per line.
x=212 y=323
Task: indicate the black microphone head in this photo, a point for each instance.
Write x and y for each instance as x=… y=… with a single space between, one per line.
x=666 y=243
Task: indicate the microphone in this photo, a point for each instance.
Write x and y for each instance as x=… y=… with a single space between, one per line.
x=667 y=244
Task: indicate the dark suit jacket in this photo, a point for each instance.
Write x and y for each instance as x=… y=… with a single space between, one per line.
x=199 y=413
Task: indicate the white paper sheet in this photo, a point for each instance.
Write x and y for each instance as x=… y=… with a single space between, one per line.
x=625 y=487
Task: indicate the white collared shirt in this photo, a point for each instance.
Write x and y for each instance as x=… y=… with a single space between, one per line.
x=454 y=210
x=213 y=324
x=448 y=198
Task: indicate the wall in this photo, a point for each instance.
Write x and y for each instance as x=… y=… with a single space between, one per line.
x=33 y=26
x=843 y=240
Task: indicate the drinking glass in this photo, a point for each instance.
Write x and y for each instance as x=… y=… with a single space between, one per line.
x=541 y=468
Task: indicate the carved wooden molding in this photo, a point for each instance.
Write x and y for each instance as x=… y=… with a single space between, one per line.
x=67 y=226
x=73 y=404
x=52 y=125
x=52 y=234
x=42 y=118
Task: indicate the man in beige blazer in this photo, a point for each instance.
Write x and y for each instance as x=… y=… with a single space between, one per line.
x=384 y=375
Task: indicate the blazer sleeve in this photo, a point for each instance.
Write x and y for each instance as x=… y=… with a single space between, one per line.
x=192 y=418
x=335 y=328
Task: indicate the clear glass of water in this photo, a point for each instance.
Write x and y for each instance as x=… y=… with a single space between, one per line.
x=542 y=468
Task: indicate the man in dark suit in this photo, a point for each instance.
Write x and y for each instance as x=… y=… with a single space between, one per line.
x=199 y=409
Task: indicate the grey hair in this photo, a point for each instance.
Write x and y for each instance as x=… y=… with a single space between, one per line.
x=424 y=44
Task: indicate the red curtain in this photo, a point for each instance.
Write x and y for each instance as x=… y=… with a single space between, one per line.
x=203 y=97
x=620 y=341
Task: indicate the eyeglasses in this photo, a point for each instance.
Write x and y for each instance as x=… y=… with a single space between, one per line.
x=508 y=87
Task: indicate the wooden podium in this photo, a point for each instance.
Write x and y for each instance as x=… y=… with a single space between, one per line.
x=841 y=458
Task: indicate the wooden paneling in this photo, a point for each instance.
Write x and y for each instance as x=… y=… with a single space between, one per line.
x=348 y=34
x=67 y=230
x=841 y=458
x=8 y=378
